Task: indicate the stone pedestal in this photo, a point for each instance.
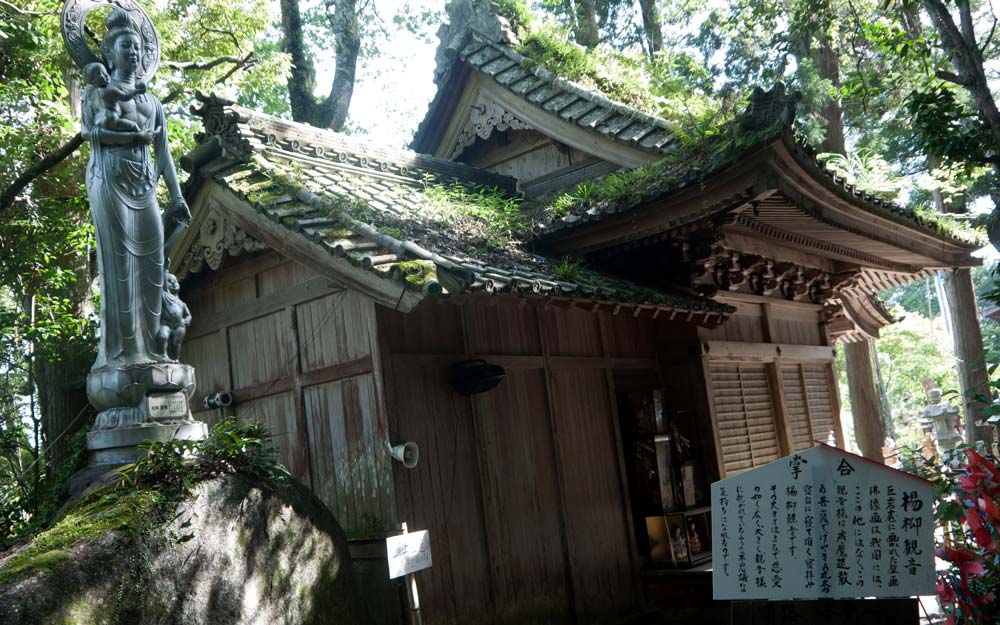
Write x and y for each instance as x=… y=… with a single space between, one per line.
x=138 y=404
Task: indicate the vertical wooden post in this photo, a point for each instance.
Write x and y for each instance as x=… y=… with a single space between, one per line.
x=869 y=429
x=968 y=338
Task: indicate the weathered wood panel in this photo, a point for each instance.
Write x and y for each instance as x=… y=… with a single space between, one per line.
x=259 y=351
x=822 y=405
x=279 y=278
x=572 y=331
x=434 y=328
x=210 y=358
x=349 y=461
x=596 y=523
x=442 y=494
x=796 y=408
x=528 y=563
x=334 y=329
x=299 y=360
x=277 y=412
x=628 y=336
x=504 y=328
x=797 y=332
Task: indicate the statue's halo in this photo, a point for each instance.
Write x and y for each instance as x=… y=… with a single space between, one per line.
x=74 y=16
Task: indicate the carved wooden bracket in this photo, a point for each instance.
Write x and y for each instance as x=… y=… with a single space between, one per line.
x=485 y=116
x=216 y=239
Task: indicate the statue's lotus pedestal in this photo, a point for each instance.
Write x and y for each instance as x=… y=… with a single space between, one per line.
x=139 y=404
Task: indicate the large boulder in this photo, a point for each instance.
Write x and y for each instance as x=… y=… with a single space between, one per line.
x=239 y=551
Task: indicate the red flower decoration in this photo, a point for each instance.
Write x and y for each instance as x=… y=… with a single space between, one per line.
x=982 y=533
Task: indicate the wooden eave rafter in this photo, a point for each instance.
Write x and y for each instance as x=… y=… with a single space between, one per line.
x=803 y=180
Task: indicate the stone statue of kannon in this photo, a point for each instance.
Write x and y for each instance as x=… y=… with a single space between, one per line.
x=136 y=383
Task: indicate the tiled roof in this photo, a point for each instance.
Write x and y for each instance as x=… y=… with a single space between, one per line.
x=693 y=165
x=566 y=99
x=406 y=217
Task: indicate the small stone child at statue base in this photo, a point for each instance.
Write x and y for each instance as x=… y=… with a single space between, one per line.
x=174 y=317
x=109 y=113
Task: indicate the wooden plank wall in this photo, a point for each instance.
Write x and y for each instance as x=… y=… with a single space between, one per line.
x=758 y=320
x=298 y=354
x=523 y=487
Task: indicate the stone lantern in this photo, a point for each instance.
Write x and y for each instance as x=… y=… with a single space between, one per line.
x=940 y=421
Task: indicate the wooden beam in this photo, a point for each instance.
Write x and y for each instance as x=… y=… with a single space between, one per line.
x=782 y=426
x=620 y=453
x=568 y=548
x=767 y=351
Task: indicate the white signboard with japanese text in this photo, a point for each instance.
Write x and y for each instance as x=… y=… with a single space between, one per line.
x=822 y=523
x=408 y=553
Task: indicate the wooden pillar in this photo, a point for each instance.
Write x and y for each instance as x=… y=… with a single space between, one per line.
x=869 y=428
x=968 y=339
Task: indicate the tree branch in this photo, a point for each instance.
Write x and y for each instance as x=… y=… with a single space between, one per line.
x=19 y=11
x=989 y=38
x=9 y=195
x=952 y=77
x=196 y=65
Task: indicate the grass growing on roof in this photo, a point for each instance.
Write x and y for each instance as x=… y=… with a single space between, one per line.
x=489 y=217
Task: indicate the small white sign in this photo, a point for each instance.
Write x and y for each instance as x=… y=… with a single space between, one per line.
x=822 y=523
x=408 y=553
x=172 y=406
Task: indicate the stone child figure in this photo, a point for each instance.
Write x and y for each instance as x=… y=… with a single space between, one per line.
x=174 y=319
x=108 y=96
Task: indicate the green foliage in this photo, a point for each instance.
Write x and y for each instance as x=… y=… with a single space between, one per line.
x=485 y=214
x=172 y=468
x=909 y=352
x=569 y=268
x=686 y=164
x=517 y=13
x=967 y=509
x=866 y=170
x=673 y=86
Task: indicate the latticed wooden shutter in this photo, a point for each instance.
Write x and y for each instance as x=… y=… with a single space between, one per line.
x=796 y=408
x=821 y=402
x=744 y=414
x=809 y=404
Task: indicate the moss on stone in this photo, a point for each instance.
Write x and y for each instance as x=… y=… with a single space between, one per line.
x=111 y=509
x=416 y=273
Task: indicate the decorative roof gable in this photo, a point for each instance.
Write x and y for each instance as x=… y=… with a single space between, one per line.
x=394 y=224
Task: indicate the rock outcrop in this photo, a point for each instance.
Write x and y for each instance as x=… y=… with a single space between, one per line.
x=239 y=551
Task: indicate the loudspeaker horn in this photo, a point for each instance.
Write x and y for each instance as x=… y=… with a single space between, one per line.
x=407 y=453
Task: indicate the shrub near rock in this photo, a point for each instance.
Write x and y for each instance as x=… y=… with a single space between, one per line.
x=213 y=532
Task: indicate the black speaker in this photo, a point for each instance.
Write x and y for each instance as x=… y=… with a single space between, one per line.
x=470 y=377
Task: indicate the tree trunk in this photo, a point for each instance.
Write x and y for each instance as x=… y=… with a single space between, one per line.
x=869 y=426
x=973 y=378
x=302 y=79
x=827 y=62
x=652 y=26
x=344 y=23
x=331 y=112
x=585 y=31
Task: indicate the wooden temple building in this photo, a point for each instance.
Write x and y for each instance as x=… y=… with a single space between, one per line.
x=354 y=297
